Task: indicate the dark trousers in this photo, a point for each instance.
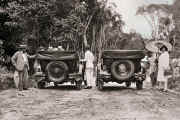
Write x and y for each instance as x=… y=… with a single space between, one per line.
x=153 y=77
x=23 y=79
x=83 y=73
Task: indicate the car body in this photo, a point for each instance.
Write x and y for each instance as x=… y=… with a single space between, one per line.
x=121 y=66
x=58 y=67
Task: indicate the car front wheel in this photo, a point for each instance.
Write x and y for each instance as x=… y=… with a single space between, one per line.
x=79 y=85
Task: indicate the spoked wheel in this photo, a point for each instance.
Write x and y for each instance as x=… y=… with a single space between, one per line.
x=79 y=85
x=100 y=84
x=139 y=85
x=128 y=84
x=41 y=85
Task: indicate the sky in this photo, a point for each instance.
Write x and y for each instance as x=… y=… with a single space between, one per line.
x=127 y=8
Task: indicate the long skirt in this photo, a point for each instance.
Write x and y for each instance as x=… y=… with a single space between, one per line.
x=161 y=76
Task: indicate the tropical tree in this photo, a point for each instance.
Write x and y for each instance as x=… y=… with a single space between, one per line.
x=38 y=19
x=9 y=30
x=106 y=27
x=159 y=18
x=175 y=34
x=35 y=19
x=92 y=23
x=42 y=23
x=75 y=25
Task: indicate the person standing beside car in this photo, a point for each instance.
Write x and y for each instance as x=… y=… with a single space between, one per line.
x=20 y=61
x=163 y=66
x=89 y=58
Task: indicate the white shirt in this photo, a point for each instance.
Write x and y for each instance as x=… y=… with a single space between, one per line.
x=25 y=57
x=89 y=57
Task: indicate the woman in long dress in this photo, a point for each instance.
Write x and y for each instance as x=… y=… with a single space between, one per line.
x=163 y=65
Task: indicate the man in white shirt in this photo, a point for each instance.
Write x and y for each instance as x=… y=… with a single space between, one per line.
x=20 y=61
x=89 y=58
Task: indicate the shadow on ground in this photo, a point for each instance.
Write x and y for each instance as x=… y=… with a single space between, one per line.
x=73 y=87
x=62 y=87
x=117 y=88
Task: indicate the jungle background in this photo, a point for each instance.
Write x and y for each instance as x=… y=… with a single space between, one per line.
x=80 y=22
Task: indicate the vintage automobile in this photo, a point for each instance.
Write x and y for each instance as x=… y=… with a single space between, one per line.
x=121 y=66
x=58 y=67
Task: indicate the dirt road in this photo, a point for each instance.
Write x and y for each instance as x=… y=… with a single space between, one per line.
x=66 y=103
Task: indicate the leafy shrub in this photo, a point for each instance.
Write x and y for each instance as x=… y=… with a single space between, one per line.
x=6 y=79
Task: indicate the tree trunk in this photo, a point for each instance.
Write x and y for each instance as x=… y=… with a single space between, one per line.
x=93 y=46
x=101 y=36
x=85 y=39
x=85 y=31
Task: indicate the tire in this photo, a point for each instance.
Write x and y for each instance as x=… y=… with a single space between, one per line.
x=41 y=85
x=128 y=66
x=97 y=77
x=100 y=85
x=139 y=85
x=56 y=84
x=128 y=84
x=79 y=85
x=57 y=71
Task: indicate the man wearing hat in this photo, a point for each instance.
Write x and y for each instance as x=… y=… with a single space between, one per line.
x=20 y=61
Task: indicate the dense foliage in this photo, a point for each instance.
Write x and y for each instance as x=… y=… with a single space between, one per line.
x=49 y=22
x=168 y=24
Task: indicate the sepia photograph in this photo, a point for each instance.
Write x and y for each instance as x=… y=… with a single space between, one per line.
x=89 y=60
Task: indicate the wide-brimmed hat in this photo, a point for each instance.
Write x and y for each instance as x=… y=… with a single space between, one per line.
x=22 y=46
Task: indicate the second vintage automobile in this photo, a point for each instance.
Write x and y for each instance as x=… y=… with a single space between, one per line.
x=121 y=66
